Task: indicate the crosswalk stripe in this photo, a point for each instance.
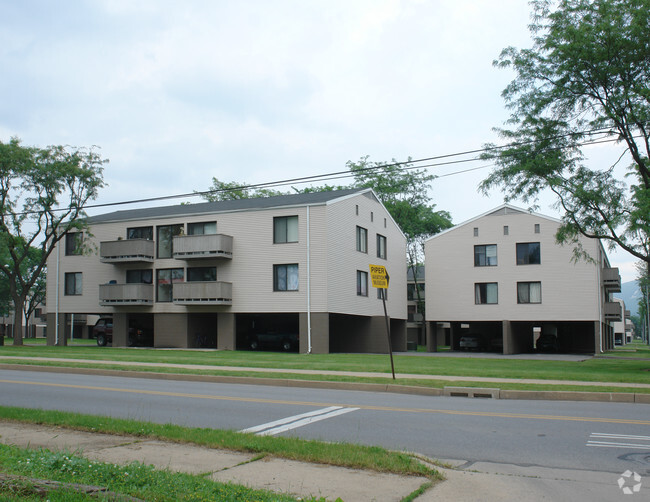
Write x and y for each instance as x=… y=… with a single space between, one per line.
x=293 y=422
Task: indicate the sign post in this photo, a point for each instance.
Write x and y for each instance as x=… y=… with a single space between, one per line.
x=380 y=280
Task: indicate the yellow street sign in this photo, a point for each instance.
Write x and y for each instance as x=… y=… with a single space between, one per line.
x=379 y=276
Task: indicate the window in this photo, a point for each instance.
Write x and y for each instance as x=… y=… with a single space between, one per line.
x=73 y=283
x=475 y=231
x=506 y=230
x=362 y=283
x=381 y=292
x=384 y=222
x=356 y=209
x=362 y=240
x=140 y=233
x=285 y=229
x=165 y=283
x=205 y=228
x=411 y=293
x=485 y=256
x=537 y=228
x=285 y=277
x=201 y=274
x=372 y=216
x=529 y=292
x=74 y=243
x=486 y=293
x=165 y=239
x=139 y=276
x=381 y=246
x=528 y=253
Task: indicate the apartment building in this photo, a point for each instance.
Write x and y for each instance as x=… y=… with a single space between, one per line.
x=502 y=276
x=221 y=274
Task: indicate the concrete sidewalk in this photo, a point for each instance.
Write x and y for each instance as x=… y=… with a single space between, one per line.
x=480 y=482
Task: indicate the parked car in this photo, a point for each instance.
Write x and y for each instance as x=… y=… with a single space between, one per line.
x=286 y=342
x=471 y=341
x=103 y=333
x=547 y=343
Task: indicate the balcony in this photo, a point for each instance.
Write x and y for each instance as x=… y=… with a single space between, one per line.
x=611 y=280
x=613 y=311
x=202 y=293
x=127 y=251
x=125 y=294
x=188 y=247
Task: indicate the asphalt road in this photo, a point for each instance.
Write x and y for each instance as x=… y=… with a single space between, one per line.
x=603 y=437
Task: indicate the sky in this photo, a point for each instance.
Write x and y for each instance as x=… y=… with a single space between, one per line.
x=176 y=93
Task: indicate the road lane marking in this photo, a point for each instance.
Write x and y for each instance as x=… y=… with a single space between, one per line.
x=620 y=437
x=523 y=416
x=285 y=424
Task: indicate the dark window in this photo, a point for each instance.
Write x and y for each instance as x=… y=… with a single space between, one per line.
x=205 y=228
x=537 y=228
x=165 y=280
x=506 y=230
x=201 y=274
x=74 y=243
x=381 y=246
x=165 y=239
x=285 y=277
x=139 y=276
x=362 y=283
x=475 y=231
x=73 y=283
x=362 y=240
x=140 y=233
x=485 y=256
x=285 y=229
x=529 y=292
x=486 y=293
x=528 y=253
x=411 y=293
x=381 y=292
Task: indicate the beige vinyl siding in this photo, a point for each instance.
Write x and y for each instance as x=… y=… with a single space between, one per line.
x=344 y=260
x=570 y=291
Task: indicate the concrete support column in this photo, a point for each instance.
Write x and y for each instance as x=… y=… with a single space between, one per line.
x=170 y=330
x=226 y=331
x=320 y=333
x=51 y=329
x=432 y=336
x=508 y=338
x=120 y=330
x=398 y=336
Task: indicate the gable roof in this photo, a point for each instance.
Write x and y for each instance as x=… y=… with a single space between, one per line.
x=502 y=210
x=256 y=203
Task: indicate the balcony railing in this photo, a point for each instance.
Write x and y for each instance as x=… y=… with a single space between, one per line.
x=613 y=311
x=187 y=247
x=127 y=251
x=611 y=280
x=125 y=294
x=202 y=293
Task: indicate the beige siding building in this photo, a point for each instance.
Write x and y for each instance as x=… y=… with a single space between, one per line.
x=503 y=277
x=221 y=274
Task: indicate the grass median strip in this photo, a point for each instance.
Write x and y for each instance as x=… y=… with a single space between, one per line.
x=339 y=454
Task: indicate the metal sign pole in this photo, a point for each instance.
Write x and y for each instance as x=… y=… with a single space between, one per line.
x=390 y=348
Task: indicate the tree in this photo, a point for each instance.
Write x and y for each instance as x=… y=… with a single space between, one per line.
x=43 y=192
x=584 y=79
x=222 y=190
x=643 y=281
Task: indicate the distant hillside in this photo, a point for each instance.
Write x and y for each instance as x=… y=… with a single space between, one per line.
x=630 y=294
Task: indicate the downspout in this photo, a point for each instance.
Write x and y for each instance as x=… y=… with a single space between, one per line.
x=308 y=287
x=601 y=320
x=56 y=314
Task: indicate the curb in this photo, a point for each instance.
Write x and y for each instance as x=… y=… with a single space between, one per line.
x=469 y=392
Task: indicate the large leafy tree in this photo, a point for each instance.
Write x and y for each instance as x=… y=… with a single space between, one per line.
x=585 y=78
x=233 y=190
x=43 y=192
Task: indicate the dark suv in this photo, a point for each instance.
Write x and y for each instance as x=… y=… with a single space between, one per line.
x=103 y=332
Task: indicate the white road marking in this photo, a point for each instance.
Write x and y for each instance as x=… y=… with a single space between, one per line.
x=285 y=424
x=620 y=437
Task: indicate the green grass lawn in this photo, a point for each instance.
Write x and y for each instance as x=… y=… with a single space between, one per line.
x=601 y=369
